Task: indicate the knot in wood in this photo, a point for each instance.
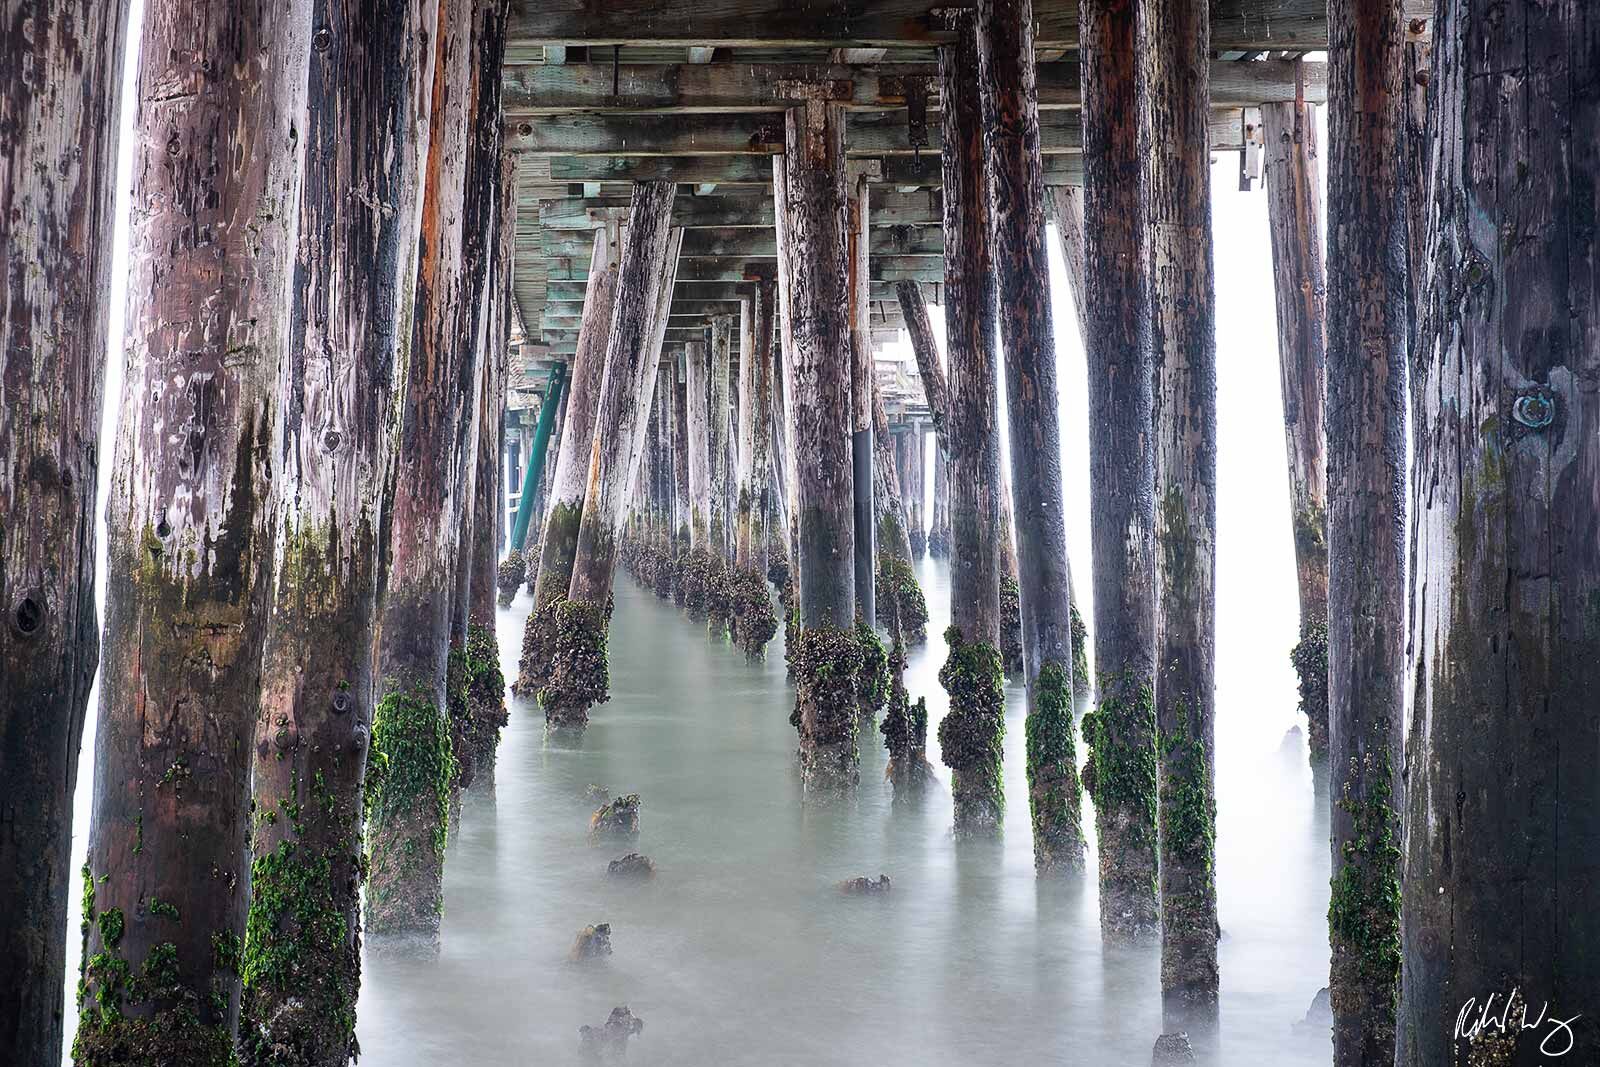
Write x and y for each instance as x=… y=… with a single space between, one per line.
x=27 y=616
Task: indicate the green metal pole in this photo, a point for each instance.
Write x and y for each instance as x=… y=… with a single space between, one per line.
x=541 y=444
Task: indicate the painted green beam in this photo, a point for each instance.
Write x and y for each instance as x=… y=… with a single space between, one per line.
x=541 y=445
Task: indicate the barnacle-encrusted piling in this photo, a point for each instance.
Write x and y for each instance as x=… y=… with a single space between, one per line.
x=970 y=735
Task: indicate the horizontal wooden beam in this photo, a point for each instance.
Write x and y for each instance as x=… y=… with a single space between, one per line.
x=1236 y=25
x=548 y=90
x=563 y=294
x=896 y=171
x=688 y=313
x=871 y=133
x=889 y=208
x=750 y=244
x=882 y=269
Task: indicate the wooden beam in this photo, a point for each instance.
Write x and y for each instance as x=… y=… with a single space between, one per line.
x=698 y=135
x=752 y=244
x=896 y=171
x=882 y=269
x=571 y=294
x=1237 y=25
x=545 y=90
x=889 y=208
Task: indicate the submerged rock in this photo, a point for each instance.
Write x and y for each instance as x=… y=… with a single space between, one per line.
x=593 y=942
x=610 y=1042
x=858 y=887
x=1172 y=1050
x=633 y=866
x=619 y=817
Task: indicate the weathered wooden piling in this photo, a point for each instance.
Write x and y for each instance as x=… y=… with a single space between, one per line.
x=719 y=530
x=1174 y=73
x=410 y=767
x=1366 y=354
x=939 y=526
x=1294 y=213
x=1015 y=171
x=896 y=569
x=864 y=484
x=697 y=389
x=680 y=475
x=371 y=90
x=471 y=665
x=970 y=735
x=569 y=481
x=1502 y=835
x=214 y=222
x=1121 y=734
x=825 y=655
x=60 y=99
x=578 y=677
x=754 y=619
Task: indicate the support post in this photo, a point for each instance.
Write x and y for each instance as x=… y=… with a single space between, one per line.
x=970 y=736
x=569 y=481
x=62 y=92
x=409 y=777
x=1121 y=732
x=1174 y=80
x=719 y=605
x=811 y=200
x=215 y=212
x=578 y=675
x=372 y=86
x=861 y=389
x=549 y=407
x=755 y=621
x=1502 y=835
x=1016 y=195
x=896 y=570
x=1294 y=215
x=1366 y=353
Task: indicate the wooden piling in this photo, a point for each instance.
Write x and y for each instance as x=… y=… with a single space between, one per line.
x=569 y=481
x=371 y=87
x=970 y=735
x=1294 y=214
x=825 y=655
x=61 y=83
x=410 y=774
x=1015 y=188
x=215 y=210
x=1367 y=668
x=862 y=452
x=1502 y=835
x=755 y=622
x=1121 y=735
x=578 y=676
x=1174 y=43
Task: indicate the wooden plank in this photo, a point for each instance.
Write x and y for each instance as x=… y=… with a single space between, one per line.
x=889 y=208
x=543 y=90
x=1236 y=25
x=700 y=135
x=751 y=244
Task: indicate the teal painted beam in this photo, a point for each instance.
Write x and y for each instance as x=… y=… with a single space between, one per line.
x=541 y=445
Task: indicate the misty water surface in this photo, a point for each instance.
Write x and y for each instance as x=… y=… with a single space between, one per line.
x=741 y=951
